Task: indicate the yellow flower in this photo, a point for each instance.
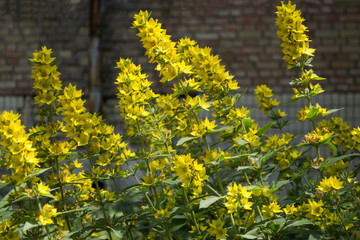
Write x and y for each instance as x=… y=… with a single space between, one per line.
x=43 y=189
x=211 y=156
x=209 y=125
x=216 y=229
x=289 y=210
x=270 y=210
x=149 y=180
x=47 y=83
x=46 y=214
x=314 y=209
x=163 y=213
x=327 y=184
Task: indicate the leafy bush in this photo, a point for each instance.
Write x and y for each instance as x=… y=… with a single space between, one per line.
x=183 y=186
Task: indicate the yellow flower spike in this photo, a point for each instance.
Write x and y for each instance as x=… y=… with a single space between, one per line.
x=140 y=19
x=291 y=31
x=263 y=95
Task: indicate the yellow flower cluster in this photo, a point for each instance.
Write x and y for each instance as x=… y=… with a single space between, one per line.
x=134 y=94
x=263 y=95
x=190 y=172
x=328 y=184
x=47 y=84
x=317 y=136
x=238 y=198
x=19 y=154
x=46 y=214
x=312 y=113
x=7 y=230
x=270 y=210
x=291 y=31
x=344 y=137
x=159 y=47
x=216 y=228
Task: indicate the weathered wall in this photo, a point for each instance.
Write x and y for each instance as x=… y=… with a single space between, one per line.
x=26 y=25
x=243 y=33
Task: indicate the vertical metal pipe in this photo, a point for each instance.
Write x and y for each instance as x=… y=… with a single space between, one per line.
x=95 y=96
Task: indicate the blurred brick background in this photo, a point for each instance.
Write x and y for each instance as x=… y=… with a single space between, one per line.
x=242 y=32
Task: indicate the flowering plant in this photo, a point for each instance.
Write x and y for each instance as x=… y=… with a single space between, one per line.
x=245 y=184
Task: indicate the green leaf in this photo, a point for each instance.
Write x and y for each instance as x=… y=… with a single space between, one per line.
x=279 y=184
x=312 y=113
x=3 y=185
x=332 y=147
x=204 y=203
x=242 y=142
x=38 y=172
x=220 y=129
x=269 y=155
x=241 y=168
x=280 y=222
x=247 y=122
x=332 y=111
x=335 y=159
x=252 y=234
x=177 y=227
x=184 y=140
x=298 y=223
x=116 y=232
x=265 y=128
x=172 y=182
x=30 y=225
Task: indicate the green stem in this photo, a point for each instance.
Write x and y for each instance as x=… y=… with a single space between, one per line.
x=40 y=209
x=95 y=180
x=63 y=202
x=246 y=177
x=233 y=223
x=219 y=181
x=206 y=143
x=192 y=213
x=213 y=190
x=260 y=214
x=139 y=182
x=117 y=194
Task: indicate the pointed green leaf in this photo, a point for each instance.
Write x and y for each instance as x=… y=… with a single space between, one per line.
x=265 y=128
x=242 y=142
x=298 y=223
x=184 y=140
x=204 y=203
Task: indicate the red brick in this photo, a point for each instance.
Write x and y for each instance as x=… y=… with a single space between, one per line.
x=12 y=54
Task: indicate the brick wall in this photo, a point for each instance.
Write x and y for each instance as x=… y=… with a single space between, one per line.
x=242 y=32
x=27 y=25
